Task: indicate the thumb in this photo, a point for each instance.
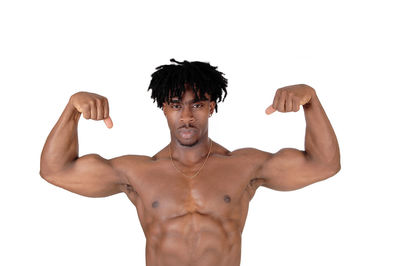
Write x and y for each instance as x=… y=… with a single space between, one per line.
x=270 y=110
x=109 y=122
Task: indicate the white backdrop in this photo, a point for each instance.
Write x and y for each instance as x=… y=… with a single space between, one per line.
x=347 y=50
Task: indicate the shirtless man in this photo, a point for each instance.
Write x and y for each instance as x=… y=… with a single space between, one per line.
x=192 y=197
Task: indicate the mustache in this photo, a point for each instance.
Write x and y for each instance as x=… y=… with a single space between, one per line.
x=187 y=126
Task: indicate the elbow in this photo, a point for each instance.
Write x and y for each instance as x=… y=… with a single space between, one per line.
x=44 y=175
x=49 y=177
x=332 y=170
x=336 y=169
x=336 y=166
x=45 y=169
x=331 y=165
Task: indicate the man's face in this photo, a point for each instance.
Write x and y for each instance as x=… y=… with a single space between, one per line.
x=188 y=119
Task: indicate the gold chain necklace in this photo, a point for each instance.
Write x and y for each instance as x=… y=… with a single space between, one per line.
x=198 y=171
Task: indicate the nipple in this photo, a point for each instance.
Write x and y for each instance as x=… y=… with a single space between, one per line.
x=155 y=204
x=227 y=199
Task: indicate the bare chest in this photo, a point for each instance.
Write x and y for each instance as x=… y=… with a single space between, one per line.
x=220 y=190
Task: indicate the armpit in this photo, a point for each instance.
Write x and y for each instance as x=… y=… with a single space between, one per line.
x=127 y=188
x=253 y=185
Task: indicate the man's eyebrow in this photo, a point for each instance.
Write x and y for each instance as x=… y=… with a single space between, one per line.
x=179 y=101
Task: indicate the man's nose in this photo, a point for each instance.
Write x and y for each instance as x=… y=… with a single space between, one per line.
x=187 y=114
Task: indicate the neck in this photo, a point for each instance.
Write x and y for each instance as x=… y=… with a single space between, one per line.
x=190 y=155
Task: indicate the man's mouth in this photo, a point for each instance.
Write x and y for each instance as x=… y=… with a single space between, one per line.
x=187 y=132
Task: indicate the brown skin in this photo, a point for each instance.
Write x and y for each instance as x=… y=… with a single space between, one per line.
x=191 y=220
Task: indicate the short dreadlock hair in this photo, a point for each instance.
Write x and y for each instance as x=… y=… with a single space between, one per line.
x=169 y=81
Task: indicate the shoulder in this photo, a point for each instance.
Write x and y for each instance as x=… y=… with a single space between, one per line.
x=130 y=159
x=126 y=165
x=251 y=158
x=252 y=154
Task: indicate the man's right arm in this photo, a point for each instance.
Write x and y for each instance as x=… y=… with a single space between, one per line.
x=89 y=175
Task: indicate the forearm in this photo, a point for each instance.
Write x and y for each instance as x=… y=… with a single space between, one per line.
x=321 y=144
x=61 y=146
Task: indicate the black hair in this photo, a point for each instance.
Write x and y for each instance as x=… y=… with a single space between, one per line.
x=169 y=81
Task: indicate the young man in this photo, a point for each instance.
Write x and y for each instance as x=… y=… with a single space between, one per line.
x=192 y=197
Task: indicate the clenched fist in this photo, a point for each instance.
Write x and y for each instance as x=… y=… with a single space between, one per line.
x=289 y=99
x=92 y=106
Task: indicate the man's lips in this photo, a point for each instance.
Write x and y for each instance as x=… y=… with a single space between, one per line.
x=190 y=127
x=186 y=132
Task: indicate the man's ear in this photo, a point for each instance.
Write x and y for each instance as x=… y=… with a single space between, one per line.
x=163 y=108
x=212 y=107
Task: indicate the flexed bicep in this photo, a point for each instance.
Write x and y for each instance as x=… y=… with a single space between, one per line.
x=91 y=176
x=291 y=169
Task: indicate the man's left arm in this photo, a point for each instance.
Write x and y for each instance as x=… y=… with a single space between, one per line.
x=289 y=168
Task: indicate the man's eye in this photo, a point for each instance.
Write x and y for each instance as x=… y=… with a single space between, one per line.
x=197 y=105
x=175 y=106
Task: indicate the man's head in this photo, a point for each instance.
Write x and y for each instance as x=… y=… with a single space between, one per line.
x=188 y=93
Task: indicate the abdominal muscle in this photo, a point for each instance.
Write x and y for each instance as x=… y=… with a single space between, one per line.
x=193 y=239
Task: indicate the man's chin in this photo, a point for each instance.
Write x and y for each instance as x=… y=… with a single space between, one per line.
x=188 y=142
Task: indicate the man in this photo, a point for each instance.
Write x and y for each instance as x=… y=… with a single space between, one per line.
x=192 y=197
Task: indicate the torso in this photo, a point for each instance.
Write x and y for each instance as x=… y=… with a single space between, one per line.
x=192 y=221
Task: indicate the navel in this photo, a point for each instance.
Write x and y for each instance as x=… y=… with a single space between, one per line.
x=155 y=204
x=227 y=199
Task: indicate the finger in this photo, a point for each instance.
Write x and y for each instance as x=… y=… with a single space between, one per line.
x=100 y=110
x=282 y=101
x=289 y=103
x=86 y=111
x=93 y=110
x=109 y=122
x=270 y=110
x=296 y=105
x=276 y=99
x=106 y=108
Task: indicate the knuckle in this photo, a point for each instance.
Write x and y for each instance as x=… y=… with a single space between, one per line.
x=85 y=107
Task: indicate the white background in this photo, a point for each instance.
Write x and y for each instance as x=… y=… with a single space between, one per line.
x=347 y=50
